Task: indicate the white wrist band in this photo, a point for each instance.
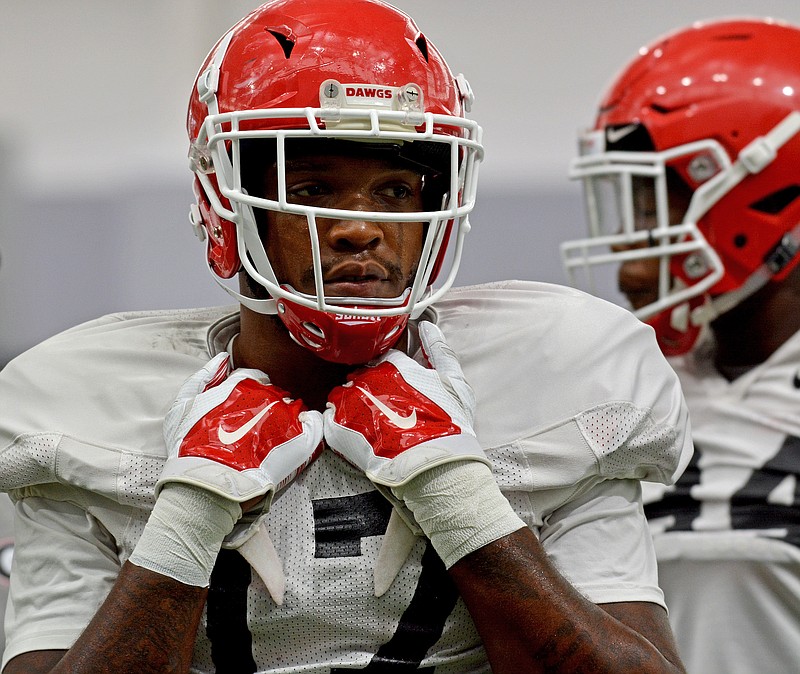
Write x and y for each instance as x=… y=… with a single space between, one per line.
x=184 y=533
x=459 y=507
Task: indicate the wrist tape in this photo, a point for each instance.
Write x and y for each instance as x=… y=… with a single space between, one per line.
x=184 y=533
x=459 y=507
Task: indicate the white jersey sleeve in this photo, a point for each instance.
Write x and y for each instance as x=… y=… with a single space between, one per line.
x=78 y=576
x=6 y=555
x=605 y=524
x=574 y=400
x=81 y=420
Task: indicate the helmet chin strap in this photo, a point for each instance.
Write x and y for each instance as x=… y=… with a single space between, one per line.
x=341 y=338
x=338 y=338
x=260 y=306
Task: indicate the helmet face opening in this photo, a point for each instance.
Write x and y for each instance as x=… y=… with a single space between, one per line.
x=710 y=112
x=241 y=160
x=638 y=208
x=303 y=78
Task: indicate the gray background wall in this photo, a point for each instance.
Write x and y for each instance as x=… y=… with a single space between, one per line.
x=94 y=188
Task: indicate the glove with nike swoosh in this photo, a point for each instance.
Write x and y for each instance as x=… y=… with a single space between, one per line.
x=240 y=437
x=396 y=418
x=232 y=438
x=410 y=429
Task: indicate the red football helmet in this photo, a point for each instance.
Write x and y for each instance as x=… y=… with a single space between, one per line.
x=714 y=108
x=351 y=70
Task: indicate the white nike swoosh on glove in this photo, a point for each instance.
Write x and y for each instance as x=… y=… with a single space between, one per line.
x=229 y=437
x=394 y=418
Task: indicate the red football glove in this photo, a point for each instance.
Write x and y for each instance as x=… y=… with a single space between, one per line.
x=238 y=435
x=397 y=419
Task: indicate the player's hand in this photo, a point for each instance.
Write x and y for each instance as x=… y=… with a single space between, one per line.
x=237 y=435
x=396 y=418
x=232 y=438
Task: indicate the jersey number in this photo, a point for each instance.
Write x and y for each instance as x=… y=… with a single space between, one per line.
x=752 y=506
x=339 y=526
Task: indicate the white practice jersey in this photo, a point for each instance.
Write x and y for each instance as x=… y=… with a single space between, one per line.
x=728 y=533
x=575 y=405
x=6 y=555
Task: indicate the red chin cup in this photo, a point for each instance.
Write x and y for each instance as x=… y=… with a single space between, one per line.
x=672 y=340
x=338 y=338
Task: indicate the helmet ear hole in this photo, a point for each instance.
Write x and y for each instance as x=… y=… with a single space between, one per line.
x=222 y=249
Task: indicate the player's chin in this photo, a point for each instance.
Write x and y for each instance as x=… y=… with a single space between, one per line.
x=639 y=289
x=366 y=288
x=639 y=300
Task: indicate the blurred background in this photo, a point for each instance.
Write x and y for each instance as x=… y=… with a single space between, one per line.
x=94 y=185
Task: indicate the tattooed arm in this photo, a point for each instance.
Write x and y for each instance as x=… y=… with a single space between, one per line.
x=147 y=623
x=532 y=620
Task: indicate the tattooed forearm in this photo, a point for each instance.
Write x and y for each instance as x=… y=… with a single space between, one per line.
x=531 y=619
x=147 y=624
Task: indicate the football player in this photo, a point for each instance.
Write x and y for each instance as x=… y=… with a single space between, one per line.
x=337 y=487
x=692 y=185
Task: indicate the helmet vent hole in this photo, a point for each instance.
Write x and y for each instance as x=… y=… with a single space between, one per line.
x=286 y=43
x=314 y=329
x=740 y=240
x=310 y=342
x=734 y=37
x=774 y=203
x=422 y=45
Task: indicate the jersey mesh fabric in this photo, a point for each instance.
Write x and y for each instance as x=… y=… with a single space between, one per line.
x=727 y=534
x=104 y=388
x=623 y=435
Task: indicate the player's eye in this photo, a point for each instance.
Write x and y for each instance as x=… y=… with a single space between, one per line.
x=305 y=191
x=398 y=191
